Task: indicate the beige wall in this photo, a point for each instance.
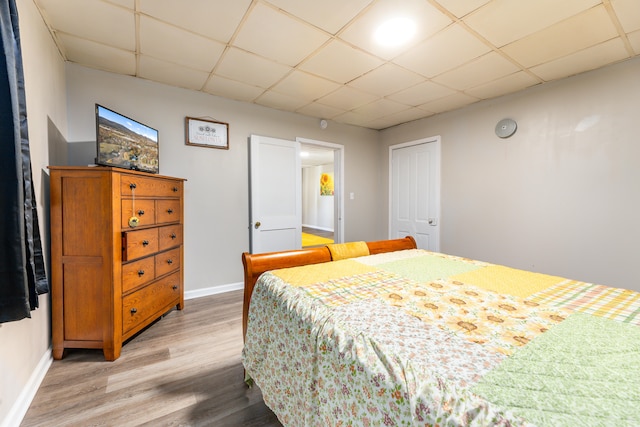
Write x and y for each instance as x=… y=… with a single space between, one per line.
x=24 y=349
x=562 y=195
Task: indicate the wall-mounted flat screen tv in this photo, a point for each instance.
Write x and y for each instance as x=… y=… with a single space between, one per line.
x=125 y=143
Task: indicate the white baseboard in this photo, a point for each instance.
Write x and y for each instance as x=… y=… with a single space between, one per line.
x=21 y=406
x=213 y=290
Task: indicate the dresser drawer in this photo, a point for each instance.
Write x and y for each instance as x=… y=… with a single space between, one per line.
x=167 y=211
x=137 y=244
x=149 y=301
x=138 y=273
x=145 y=212
x=170 y=236
x=149 y=187
x=167 y=262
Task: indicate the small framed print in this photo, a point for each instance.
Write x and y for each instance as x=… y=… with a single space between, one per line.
x=207 y=133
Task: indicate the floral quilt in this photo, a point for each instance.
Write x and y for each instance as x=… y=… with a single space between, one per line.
x=416 y=338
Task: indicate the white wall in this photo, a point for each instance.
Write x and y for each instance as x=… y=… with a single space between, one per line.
x=216 y=191
x=24 y=348
x=317 y=210
x=562 y=195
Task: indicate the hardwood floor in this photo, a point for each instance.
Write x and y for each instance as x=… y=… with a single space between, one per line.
x=183 y=370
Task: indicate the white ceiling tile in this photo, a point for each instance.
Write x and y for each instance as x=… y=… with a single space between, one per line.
x=92 y=19
x=305 y=86
x=173 y=44
x=274 y=35
x=585 y=60
x=330 y=15
x=504 y=21
x=634 y=39
x=347 y=98
x=232 y=89
x=352 y=118
x=171 y=74
x=129 y=4
x=421 y=93
x=485 y=69
x=502 y=86
x=379 y=108
x=576 y=33
x=448 y=103
x=444 y=51
x=206 y=21
x=280 y=101
x=340 y=62
x=429 y=20
x=315 y=109
x=461 y=8
x=250 y=68
x=404 y=116
x=99 y=56
x=628 y=13
x=385 y=80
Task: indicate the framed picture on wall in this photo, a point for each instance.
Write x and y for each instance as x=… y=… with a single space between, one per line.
x=207 y=133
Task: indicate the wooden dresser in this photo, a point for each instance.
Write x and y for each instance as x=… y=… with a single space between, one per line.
x=112 y=275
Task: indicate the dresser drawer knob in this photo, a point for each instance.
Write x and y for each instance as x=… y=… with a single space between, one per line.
x=145 y=243
x=175 y=189
x=173 y=235
x=140 y=212
x=169 y=211
x=132 y=185
x=134 y=310
x=174 y=287
x=169 y=261
x=140 y=272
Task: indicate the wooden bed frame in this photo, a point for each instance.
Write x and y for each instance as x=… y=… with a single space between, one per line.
x=256 y=264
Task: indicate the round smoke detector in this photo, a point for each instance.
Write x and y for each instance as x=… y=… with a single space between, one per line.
x=506 y=127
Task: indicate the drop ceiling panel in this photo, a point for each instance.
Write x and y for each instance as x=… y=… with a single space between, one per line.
x=347 y=98
x=576 y=33
x=171 y=74
x=421 y=93
x=385 y=80
x=330 y=15
x=93 y=20
x=505 y=21
x=482 y=70
x=462 y=8
x=429 y=20
x=504 y=85
x=444 y=51
x=275 y=35
x=628 y=13
x=250 y=68
x=280 y=101
x=305 y=86
x=99 y=56
x=380 y=108
x=588 y=59
x=173 y=44
x=232 y=89
x=448 y=103
x=316 y=109
x=352 y=62
x=207 y=21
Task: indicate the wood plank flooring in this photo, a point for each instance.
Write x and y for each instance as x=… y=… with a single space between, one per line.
x=183 y=370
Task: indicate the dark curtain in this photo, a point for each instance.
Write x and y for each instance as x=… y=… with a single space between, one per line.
x=22 y=273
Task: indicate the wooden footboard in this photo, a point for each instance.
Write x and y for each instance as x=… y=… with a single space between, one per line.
x=256 y=264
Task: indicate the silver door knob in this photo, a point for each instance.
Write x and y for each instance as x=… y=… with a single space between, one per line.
x=257 y=224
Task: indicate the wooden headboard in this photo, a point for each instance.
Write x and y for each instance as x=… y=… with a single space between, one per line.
x=256 y=264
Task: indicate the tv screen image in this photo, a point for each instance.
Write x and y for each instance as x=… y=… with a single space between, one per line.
x=125 y=143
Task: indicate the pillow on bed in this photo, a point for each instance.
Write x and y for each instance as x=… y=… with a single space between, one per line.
x=348 y=250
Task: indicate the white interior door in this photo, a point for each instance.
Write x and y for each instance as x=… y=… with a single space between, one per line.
x=275 y=194
x=415 y=192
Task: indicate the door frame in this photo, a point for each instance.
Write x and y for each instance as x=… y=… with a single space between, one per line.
x=429 y=140
x=338 y=181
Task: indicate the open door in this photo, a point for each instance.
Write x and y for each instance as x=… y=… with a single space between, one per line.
x=275 y=181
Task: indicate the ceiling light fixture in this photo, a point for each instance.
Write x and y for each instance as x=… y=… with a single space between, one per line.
x=395 y=31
